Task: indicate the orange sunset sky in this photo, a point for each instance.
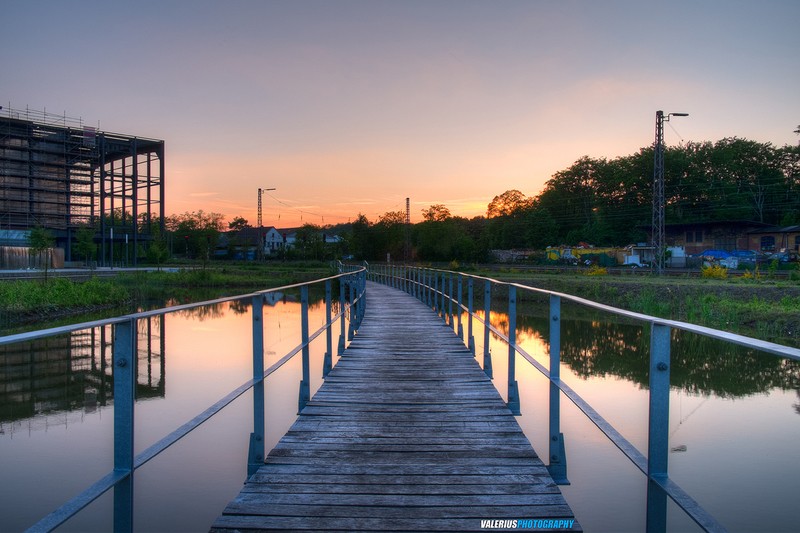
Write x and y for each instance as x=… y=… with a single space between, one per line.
x=349 y=107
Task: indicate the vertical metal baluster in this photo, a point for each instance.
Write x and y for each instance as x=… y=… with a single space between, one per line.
x=327 y=361
x=558 y=456
x=487 y=309
x=460 y=306
x=443 y=308
x=658 y=432
x=470 y=309
x=342 y=302
x=255 y=458
x=513 y=386
x=305 y=387
x=351 y=333
x=124 y=398
x=435 y=291
x=450 y=298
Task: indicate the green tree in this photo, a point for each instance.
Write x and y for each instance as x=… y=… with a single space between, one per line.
x=41 y=241
x=157 y=252
x=507 y=203
x=308 y=243
x=198 y=231
x=85 y=246
x=238 y=224
x=436 y=213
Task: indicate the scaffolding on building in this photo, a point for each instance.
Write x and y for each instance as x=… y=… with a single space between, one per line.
x=62 y=175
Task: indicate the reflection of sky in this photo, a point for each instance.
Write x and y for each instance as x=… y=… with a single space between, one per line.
x=207 y=355
x=741 y=459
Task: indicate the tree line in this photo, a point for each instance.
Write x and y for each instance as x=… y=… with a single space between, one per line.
x=605 y=202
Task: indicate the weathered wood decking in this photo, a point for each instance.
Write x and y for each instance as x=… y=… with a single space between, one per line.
x=407 y=433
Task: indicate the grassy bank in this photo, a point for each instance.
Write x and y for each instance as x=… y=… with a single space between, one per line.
x=40 y=301
x=762 y=308
x=29 y=299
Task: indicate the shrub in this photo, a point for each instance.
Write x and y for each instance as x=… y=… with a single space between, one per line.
x=595 y=270
x=752 y=275
x=715 y=272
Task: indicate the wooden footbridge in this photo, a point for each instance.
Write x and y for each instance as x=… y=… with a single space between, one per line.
x=407 y=433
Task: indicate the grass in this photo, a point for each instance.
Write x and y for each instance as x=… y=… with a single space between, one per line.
x=39 y=300
x=757 y=305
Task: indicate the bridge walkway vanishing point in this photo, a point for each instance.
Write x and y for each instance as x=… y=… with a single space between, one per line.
x=406 y=433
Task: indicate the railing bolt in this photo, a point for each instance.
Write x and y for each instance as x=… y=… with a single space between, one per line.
x=662 y=367
x=554 y=438
x=122 y=363
x=555 y=318
x=554 y=458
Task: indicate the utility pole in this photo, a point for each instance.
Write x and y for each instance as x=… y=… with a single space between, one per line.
x=659 y=198
x=260 y=224
x=407 y=248
x=259 y=204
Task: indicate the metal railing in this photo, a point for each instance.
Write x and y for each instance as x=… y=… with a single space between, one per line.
x=436 y=288
x=124 y=359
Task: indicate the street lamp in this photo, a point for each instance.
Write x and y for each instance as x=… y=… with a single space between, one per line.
x=659 y=199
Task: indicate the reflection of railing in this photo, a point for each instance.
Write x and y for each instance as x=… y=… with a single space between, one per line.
x=124 y=360
x=436 y=288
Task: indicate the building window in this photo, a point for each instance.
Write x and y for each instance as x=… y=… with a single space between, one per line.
x=698 y=236
x=689 y=236
x=767 y=243
x=797 y=243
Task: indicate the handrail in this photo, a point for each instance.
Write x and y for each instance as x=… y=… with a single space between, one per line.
x=429 y=285
x=124 y=362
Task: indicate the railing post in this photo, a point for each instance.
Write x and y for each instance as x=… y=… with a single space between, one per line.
x=435 y=291
x=487 y=309
x=327 y=361
x=558 y=456
x=362 y=298
x=445 y=300
x=341 y=346
x=351 y=332
x=124 y=398
x=513 y=386
x=450 y=298
x=470 y=310
x=460 y=304
x=658 y=432
x=429 y=285
x=255 y=457
x=305 y=387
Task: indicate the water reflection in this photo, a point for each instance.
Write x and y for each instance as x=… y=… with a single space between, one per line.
x=42 y=380
x=700 y=365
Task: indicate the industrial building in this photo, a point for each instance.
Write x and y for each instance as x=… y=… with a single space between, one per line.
x=60 y=174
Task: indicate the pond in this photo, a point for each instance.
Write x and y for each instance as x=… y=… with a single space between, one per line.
x=734 y=419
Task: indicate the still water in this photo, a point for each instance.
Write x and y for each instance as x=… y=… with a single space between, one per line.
x=734 y=420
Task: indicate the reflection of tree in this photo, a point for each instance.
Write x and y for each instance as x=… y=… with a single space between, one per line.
x=240 y=307
x=699 y=364
x=797 y=405
x=204 y=312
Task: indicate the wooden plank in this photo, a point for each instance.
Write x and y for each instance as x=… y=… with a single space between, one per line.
x=406 y=434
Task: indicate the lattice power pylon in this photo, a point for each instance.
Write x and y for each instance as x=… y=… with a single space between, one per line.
x=659 y=198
